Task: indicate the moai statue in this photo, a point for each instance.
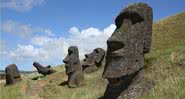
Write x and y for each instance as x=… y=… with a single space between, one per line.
x=125 y=53
x=12 y=74
x=43 y=70
x=93 y=60
x=73 y=68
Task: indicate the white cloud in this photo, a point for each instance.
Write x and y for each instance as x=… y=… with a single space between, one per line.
x=23 y=52
x=89 y=39
x=74 y=31
x=90 y=32
x=48 y=32
x=23 y=30
x=21 y=5
x=2 y=45
x=3 y=48
x=109 y=30
x=52 y=50
x=46 y=49
x=40 y=40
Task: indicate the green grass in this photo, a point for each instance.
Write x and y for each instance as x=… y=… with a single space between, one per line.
x=169 y=32
x=164 y=62
x=94 y=86
x=169 y=77
x=13 y=91
x=165 y=65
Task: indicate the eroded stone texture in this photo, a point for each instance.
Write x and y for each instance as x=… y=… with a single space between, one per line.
x=12 y=74
x=125 y=53
x=93 y=60
x=43 y=70
x=73 y=68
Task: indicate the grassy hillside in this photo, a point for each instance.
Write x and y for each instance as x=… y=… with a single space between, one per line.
x=169 y=32
x=165 y=65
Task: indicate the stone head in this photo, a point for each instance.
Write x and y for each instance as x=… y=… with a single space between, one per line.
x=95 y=58
x=72 y=62
x=12 y=74
x=126 y=46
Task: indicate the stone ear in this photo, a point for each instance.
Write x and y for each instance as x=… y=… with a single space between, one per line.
x=148 y=33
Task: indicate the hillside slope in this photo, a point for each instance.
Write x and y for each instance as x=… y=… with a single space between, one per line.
x=169 y=32
x=165 y=65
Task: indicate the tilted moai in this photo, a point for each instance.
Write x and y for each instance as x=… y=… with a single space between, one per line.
x=43 y=70
x=125 y=53
x=93 y=60
x=12 y=74
x=73 y=68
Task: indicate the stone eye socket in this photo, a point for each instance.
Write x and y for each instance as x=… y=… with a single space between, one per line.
x=70 y=52
x=96 y=51
x=86 y=56
x=131 y=15
x=84 y=60
x=115 y=45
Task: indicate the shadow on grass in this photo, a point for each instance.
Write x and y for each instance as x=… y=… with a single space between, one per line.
x=37 y=77
x=101 y=97
x=63 y=83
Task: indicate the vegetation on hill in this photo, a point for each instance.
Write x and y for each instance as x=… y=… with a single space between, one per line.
x=165 y=65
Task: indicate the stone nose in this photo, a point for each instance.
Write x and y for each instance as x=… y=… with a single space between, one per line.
x=87 y=55
x=117 y=36
x=66 y=60
x=115 y=45
x=35 y=64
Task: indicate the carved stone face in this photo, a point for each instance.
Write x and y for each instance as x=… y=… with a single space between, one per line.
x=12 y=74
x=95 y=58
x=126 y=47
x=72 y=62
x=43 y=70
x=125 y=50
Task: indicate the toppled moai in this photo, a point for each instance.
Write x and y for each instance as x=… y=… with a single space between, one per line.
x=125 y=53
x=43 y=70
x=93 y=60
x=73 y=68
x=12 y=74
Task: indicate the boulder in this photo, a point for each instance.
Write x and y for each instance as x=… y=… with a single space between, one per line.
x=12 y=74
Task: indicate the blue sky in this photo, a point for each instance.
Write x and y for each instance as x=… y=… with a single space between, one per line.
x=42 y=30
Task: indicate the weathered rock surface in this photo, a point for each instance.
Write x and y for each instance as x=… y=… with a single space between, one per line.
x=93 y=60
x=43 y=70
x=73 y=68
x=125 y=53
x=12 y=74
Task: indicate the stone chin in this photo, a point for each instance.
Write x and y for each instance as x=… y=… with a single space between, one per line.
x=86 y=65
x=88 y=62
